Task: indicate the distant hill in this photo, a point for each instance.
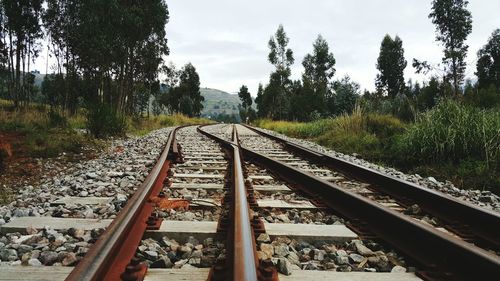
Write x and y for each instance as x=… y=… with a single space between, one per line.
x=219 y=102
x=216 y=102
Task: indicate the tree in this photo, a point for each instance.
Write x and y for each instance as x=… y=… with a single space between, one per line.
x=346 y=94
x=282 y=58
x=260 y=100
x=246 y=110
x=245 y=97
x=319 y=67
x=189 y=82
x=488 y=62
x=22 y=26
x=391 y=64
x=185 y=97
x=453 y=24
x=318 y=70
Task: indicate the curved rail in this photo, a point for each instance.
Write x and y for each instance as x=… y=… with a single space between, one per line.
x=244 y=265
x=483 y=223
x=427 y=245
x=112 y=254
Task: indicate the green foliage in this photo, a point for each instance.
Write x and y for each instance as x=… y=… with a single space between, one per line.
x=483 y=97
x=345 y=96
x=50 y=143
x=57 y=120
x=488 y=62
x=103 y=121
x=453 y=24
x=184 y=98
x=391 y=63
x=319 y=68
x=367 y=134
x=276 y=93
x=453 y=132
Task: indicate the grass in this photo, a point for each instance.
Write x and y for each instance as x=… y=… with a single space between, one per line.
x=452 y=141
x=363 y=134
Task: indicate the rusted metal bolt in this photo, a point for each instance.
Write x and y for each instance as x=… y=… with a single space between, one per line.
x=266 y=263
x=151 y=220
x=134 y=261
x=267 y=272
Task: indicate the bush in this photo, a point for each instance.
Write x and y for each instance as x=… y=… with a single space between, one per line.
x=57 y=120
x=453 y=132
x=103 y=122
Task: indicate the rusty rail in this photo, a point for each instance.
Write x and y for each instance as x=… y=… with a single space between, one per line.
x=245 y=265
x=434 y=249
x=112 y=256
x=482 y=223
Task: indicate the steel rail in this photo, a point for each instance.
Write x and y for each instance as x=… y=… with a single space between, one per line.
x=245 y=261
x=113 y=253
x=425 y=244
x=483 y=223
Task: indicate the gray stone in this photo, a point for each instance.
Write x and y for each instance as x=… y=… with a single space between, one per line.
x=69 y=259
x=91 y=175
x=310 y=266
x=180 y=263
x=8 y=254
x=192 y=240
x=284 y=218
x=48 y=257
x=284 y=266
x=398 y=269
x=281 y=250
x=188 y=216
x=363 y=250
x=151 y=255
x=293 y=258
x=342 y=260
x=341 y=253
x=162 y=262
x=356 y=258
x=268 y=249
x=34 y=262
x=263 y=238
x=319 y=254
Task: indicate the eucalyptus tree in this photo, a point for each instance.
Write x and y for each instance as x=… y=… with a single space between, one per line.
x=21 y=19
x=488 y=62
x=319 y=68
x=391 y=64
x=282 y=58
x=453 y=24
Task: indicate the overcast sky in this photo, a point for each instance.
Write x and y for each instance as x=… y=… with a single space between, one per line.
x=226 y=40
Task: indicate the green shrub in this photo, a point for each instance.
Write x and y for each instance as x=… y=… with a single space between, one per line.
x=383 y=125
x=57 y=120
x=453 y=132
x=103 y=122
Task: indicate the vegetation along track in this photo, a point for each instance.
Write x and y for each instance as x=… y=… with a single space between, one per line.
x=219 y=205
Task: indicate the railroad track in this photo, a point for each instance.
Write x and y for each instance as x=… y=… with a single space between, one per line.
x=228 y=202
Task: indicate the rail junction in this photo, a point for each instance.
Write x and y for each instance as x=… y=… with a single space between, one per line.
x=232 y=202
